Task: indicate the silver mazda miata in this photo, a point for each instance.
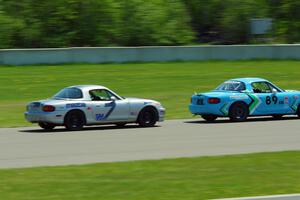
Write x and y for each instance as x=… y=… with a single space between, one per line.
x=83 y=105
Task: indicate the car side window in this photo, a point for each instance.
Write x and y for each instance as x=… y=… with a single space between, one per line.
x=261 y=87
x=100 y=95
x=273 y=89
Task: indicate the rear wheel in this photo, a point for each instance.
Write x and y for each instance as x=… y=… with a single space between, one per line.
x=238 y=112
x=209 y=118
x=147 y=117
x=298 y=111
x=46 y=126
x=74 y=121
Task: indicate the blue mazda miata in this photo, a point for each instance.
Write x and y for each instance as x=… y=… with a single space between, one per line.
x=243 y=97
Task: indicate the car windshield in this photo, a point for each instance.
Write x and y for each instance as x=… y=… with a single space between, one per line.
x=69 y=93
x=231 y=86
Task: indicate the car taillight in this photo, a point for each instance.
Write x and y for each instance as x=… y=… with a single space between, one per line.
x=48 y=108
x=214 y=100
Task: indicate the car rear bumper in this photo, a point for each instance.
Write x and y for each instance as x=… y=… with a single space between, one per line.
x=205 y=110
x=55 y=118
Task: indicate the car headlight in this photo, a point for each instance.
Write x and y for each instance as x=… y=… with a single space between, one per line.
x=157 y=103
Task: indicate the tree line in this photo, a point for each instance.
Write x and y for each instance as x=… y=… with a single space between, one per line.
x=67 y=23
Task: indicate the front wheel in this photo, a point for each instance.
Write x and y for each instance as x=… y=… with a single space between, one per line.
x=74 y=121
x=209 y=118
x=238 y=112
x=298 y=111
x=46 y=126
x=147 y=117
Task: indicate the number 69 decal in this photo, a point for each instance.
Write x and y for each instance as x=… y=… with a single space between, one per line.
x=272 y=99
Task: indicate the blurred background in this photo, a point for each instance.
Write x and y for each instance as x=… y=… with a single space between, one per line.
x=77 y=23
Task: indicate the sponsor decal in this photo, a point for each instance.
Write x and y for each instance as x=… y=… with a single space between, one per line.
x=100 y=117
x=286 y=100
x=75 y=105
x=255 y=102
x=294 y=105
x=224 y=109
x=89 y=108
x=295 y=97
x=237 y=97
x=109 y=104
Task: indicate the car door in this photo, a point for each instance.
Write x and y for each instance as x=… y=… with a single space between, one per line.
x=267 y=99
x=107 y=107
x=280 y=100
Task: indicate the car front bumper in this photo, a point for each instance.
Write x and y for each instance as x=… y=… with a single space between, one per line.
x=161 y=114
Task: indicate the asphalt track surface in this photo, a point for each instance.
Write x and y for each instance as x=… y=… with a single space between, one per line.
x=32 y=147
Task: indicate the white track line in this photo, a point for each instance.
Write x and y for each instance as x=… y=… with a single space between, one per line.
x=272 y=197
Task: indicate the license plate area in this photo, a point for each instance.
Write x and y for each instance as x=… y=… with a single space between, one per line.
x=200 y=102
x=35 y=106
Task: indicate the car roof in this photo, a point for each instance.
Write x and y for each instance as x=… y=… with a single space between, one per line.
x=249 y=80
x=88 y=87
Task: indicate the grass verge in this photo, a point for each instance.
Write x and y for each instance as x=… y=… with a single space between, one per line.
x=187 y=178
x=170 y=83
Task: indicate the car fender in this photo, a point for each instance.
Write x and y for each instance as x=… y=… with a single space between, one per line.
x=137 y=105
x=228 y=100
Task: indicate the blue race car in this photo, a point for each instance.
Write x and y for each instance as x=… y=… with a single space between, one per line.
x=243 y=97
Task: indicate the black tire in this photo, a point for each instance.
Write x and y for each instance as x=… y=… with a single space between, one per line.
x=46 y=126
x=298 y=111
x=147 y=117
x=120 y=125
x=277 y=116
x=75 y=120
x=209 y=118
x=238 y=112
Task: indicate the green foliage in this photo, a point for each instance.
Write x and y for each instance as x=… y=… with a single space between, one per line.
x=226 y=21
x=288 y=20
x=8 y=30
x=155 y=22
x=63 y=23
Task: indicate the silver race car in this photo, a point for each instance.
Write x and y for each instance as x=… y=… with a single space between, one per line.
x=77 y=106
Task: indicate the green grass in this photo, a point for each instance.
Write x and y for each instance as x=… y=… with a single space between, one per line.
x=170 y=83
x=188 y=178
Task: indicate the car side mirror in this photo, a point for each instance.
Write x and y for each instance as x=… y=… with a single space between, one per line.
x=274 y=91
x=113 y=98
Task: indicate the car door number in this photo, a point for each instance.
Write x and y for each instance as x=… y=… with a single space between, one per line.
x=270 y=100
